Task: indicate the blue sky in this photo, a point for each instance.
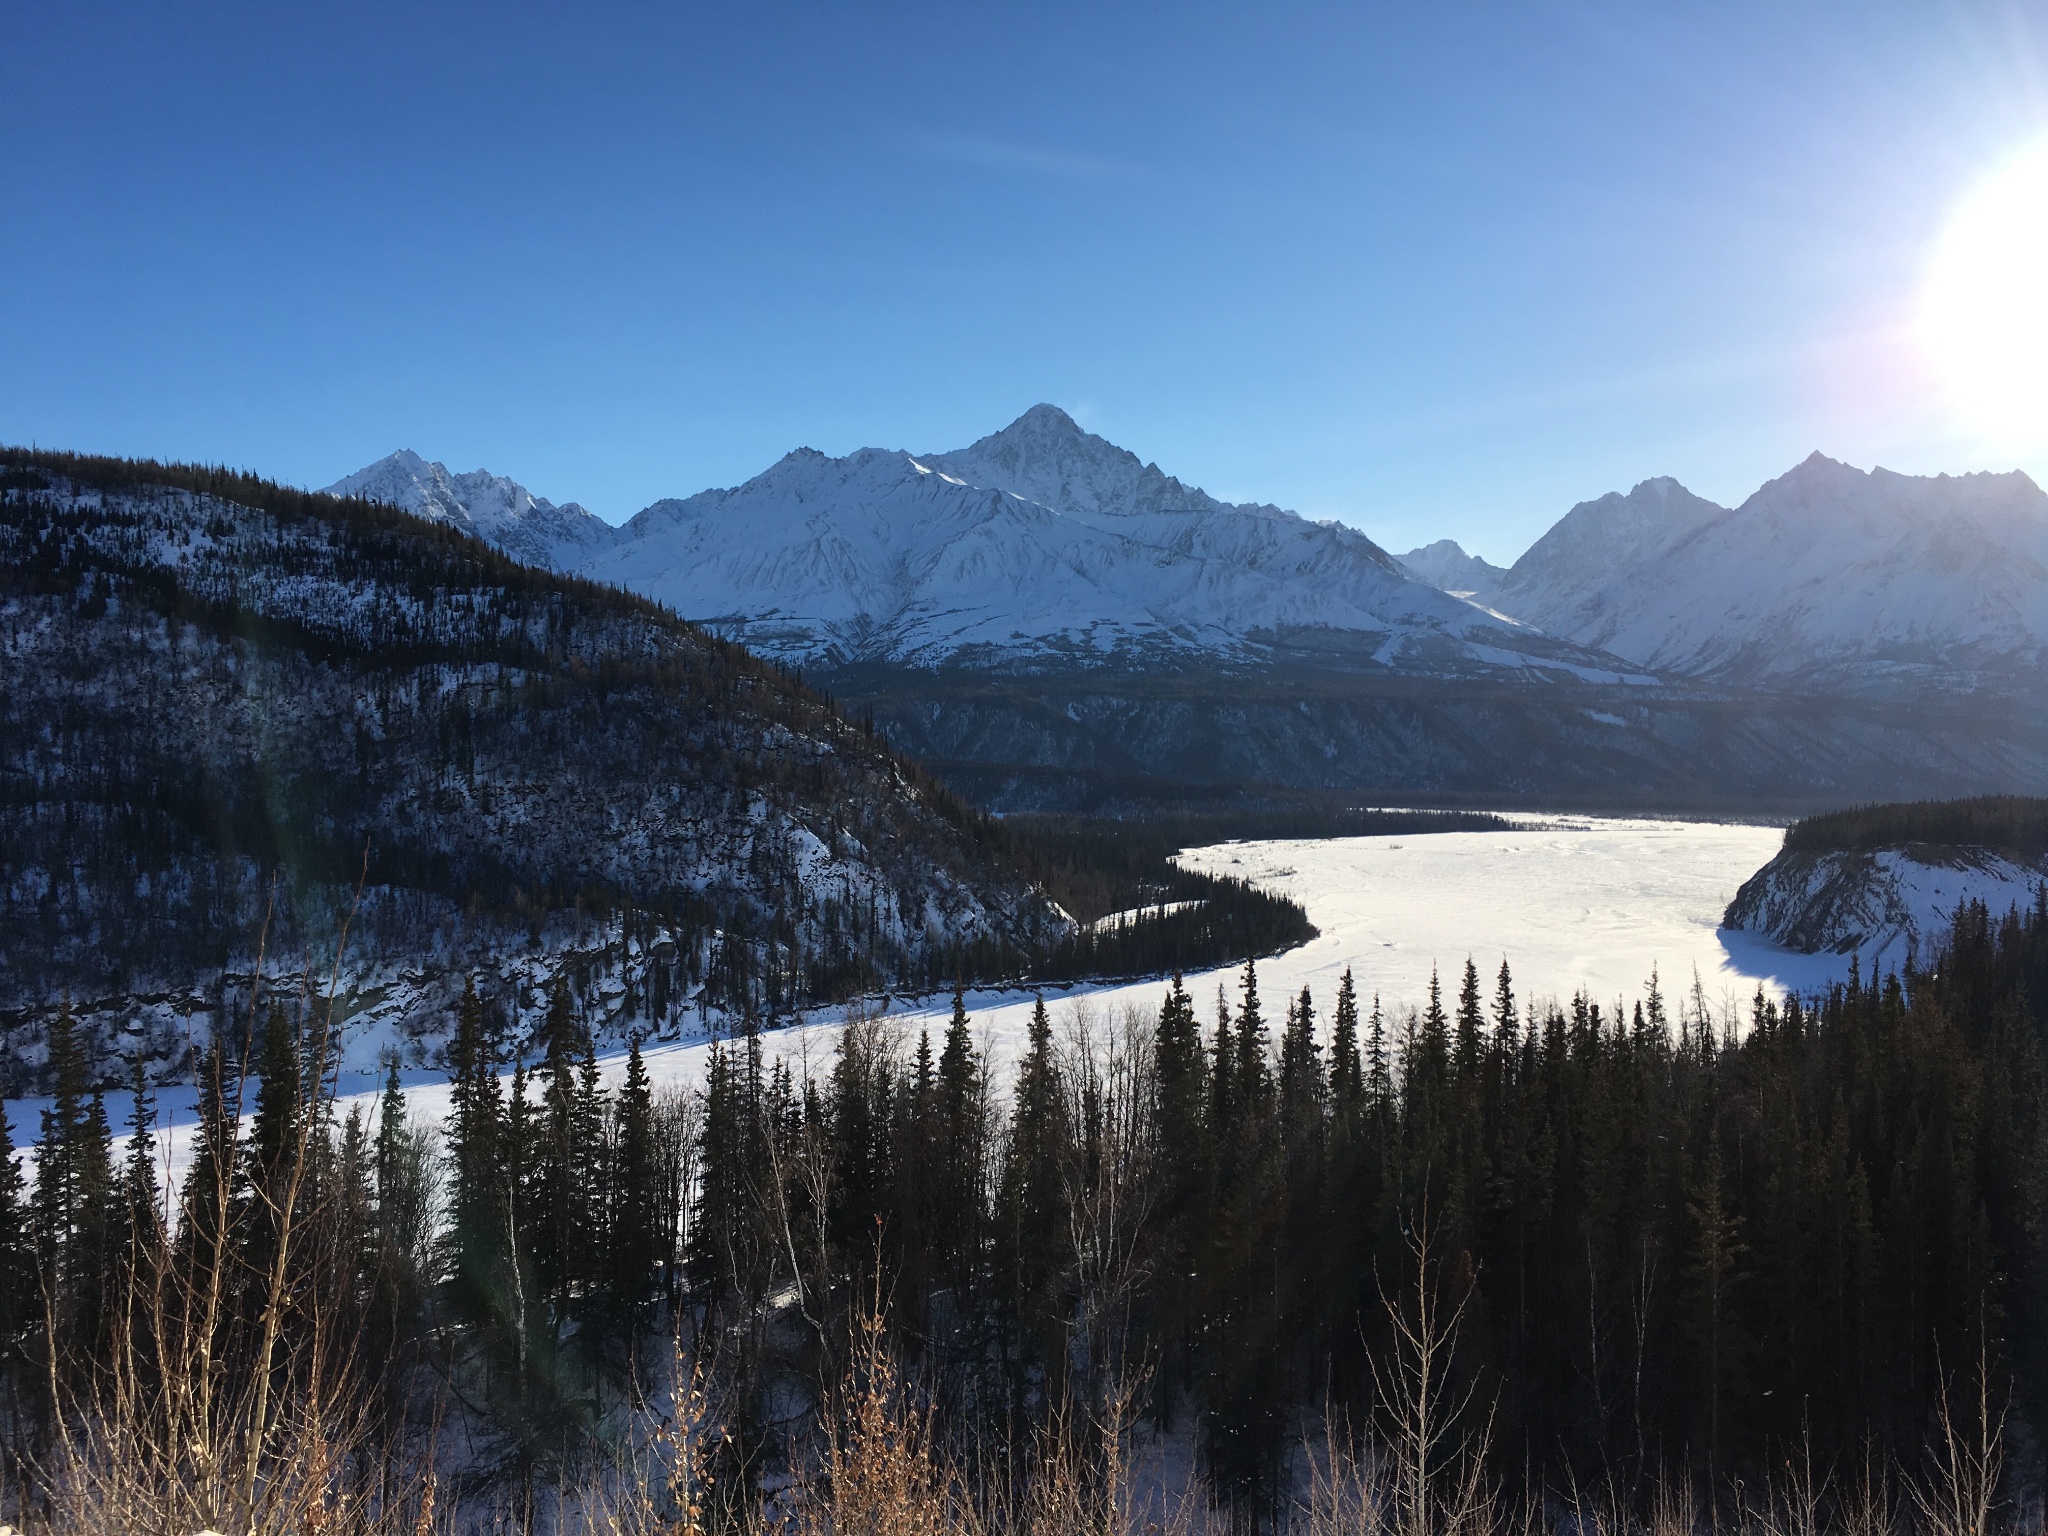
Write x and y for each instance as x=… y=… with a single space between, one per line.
x=1435 y=270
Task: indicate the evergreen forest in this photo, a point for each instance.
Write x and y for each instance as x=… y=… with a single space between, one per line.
x=1640 y=1251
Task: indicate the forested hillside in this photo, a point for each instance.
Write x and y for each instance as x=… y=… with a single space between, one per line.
x=2007 y=823
x=230 y=708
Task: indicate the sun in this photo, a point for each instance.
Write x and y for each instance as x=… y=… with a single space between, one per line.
x=1984 y=312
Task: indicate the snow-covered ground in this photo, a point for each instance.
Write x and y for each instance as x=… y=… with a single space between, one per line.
x=1570 y=903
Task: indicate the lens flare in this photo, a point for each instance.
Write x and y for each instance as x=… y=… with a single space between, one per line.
x=1984 y=312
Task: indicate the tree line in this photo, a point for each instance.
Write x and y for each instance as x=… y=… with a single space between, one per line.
x=1678 y=1240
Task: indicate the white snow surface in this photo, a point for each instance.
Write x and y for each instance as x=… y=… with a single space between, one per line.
x=1041 y=541
x=1828 y=574
x=1570 y=903
x=527 y=527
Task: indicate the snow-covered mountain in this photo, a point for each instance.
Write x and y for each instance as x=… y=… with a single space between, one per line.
x=1828 y=578
x=1445 y=564
x=1044 y=544
x=527 y=527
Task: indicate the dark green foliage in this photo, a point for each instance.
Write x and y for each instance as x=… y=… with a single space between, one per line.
x=1032 y=1204
x=75 y=1220
x=634 y=1250
x=2012 y=823
x=959 y=1171
x=141 y=1201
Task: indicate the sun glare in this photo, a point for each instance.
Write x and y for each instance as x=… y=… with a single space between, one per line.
x=1984 y=315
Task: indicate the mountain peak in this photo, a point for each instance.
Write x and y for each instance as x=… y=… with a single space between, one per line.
x=1046 y=418
x=1446 y=565
x=489 y=506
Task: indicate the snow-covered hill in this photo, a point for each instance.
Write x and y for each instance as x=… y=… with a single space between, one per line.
x=1886 y=905
x=1829 y=578
x=504 y=512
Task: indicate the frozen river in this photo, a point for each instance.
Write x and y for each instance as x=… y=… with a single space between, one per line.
x=1569 y=903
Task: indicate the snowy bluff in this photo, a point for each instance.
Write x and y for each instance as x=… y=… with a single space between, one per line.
x=1884 y=882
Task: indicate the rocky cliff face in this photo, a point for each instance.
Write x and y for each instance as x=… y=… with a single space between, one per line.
x=1886 y=905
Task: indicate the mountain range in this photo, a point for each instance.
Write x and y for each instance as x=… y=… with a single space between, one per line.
x=1829 y=579
x=1040 y=545
x=1043 y=607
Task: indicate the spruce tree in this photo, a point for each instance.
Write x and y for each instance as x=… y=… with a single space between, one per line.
x=633 y=1252
x=561 y=1231
x=478 y=1241
x=141 y=1200
x=211 y=1205
x=401 y=1195
x=1426 y=1072
x=1379 y=1075
x=74 y=1219
x=276 y=1141
x=721 y=1185
x=1471 y=1027
x=1506 y=1026
x=915 y=1198
x=1253 y=1082
x=1178 y=1082
x=961 y=1153
x=1224 y=1103
x=1034 y=1200
x=359 y=1249
x=1301 y=1066
x=57 y=1217
x=592 y=1169
x=1347 y=1074
x=17 y=1250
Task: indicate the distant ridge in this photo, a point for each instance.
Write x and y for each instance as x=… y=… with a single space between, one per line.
x=502 y=511
x=1829 y=579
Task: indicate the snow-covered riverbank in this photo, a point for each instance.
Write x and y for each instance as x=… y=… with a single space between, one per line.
x=1570 y=903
